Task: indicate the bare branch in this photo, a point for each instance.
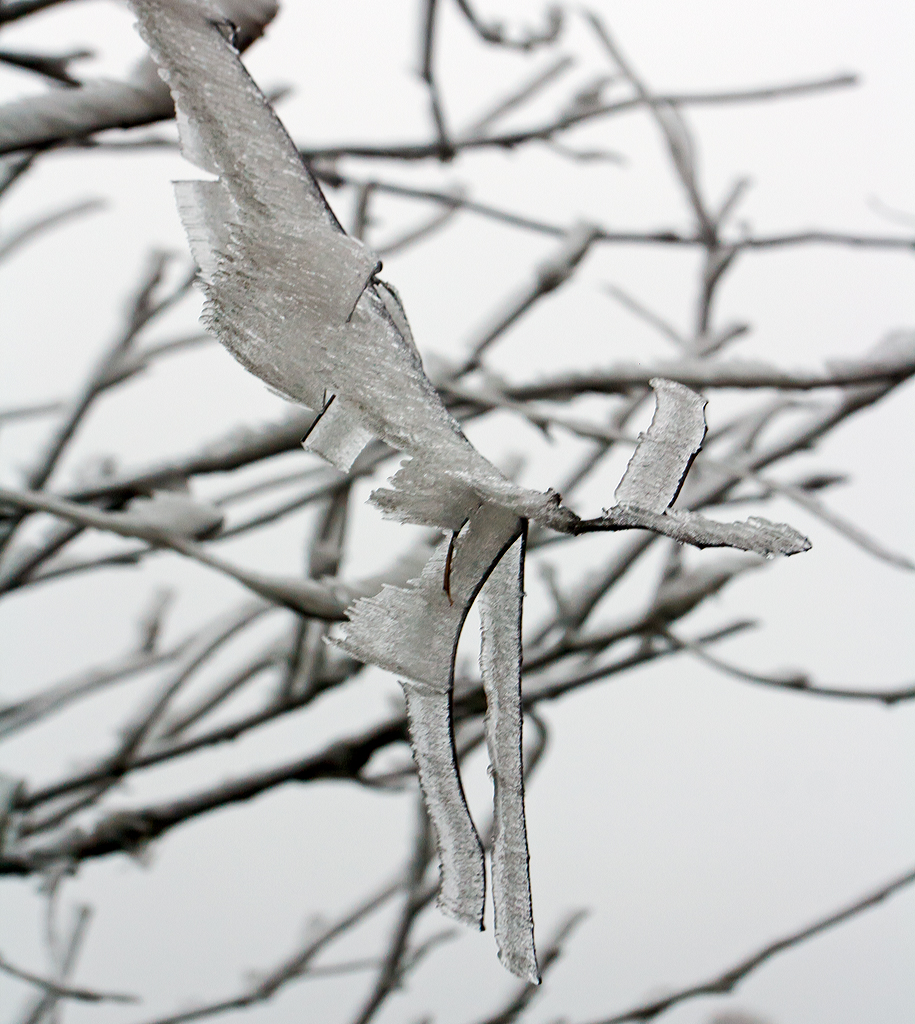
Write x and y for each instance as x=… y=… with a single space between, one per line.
x=521 y=95
x=526 y=993
x=728 y=980
x=849 y=530
x=55 y=68
x=18 y=239
x=14 y=717
x=418 y=234
x=65 y=953
x=13 y=10
x=85 y=995
x=643 y=313
x=417 y=898
x=797 y=682
x=549 y=275
x=143 y=308
x=509 y=140
x=673 y=128
x=291 y=969
x=492 y=32
x=430 y=8
x=128 y=830
x=23 y=412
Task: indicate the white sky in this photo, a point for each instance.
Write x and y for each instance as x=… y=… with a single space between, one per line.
x=697 y=818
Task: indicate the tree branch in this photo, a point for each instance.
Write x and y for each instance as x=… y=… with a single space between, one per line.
x=54 y=988
x=728 y=980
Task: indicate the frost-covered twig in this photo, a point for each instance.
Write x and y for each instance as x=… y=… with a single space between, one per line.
x=305 y=596
x=896 y=366
x=70 y=115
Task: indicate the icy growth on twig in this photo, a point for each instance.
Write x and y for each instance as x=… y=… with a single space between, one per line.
x=60 y=115
x=299 y=304
x=175 y=513
x=656 y=473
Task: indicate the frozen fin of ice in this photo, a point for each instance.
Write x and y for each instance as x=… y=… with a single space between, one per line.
x=338 y=434
x=663 y=455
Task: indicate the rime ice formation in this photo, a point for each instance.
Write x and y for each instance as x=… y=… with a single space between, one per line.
x=299 y=304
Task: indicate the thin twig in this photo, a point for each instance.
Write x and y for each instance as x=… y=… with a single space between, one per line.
x=549 y=275
x=143 y=308
x=66 y=955
x=13 y=10
x=544 y=132
x=526 y=993
x=415 y=901
x=124 y=830
x=728 y=980
x=796 y=682
x=673 y=128
x=427 y=73
x=307 y=597
x=37 y=227
x=643 y=313
x=294 y=967
x=14 y=717
x=23 y=412
x=530 y=88
x=85 y=995
x=417 y=234
x=493 y=32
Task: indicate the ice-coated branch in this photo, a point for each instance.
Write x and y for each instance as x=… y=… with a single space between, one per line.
x=896 y=365
x=70 y=115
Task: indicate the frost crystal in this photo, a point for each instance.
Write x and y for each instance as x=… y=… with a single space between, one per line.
x=300 y=305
